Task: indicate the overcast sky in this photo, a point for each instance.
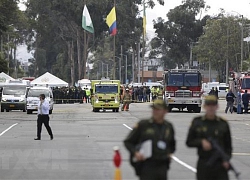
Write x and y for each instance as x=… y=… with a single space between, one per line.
x=230 y=6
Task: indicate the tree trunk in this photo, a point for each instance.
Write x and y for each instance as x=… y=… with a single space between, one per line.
x=71 y=59
x=79 y=55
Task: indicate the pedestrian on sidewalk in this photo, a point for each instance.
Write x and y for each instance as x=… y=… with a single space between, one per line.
x=43 y=117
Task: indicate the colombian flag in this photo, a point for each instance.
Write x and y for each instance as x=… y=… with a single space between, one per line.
x=111 y=22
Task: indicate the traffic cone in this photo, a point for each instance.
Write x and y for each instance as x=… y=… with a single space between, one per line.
x=117 y=162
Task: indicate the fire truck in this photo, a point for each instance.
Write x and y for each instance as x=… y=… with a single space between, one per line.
x=183 y=89
x=240 y=83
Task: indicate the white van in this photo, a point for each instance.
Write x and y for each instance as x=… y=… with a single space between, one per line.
x=33 y=98
x=14 y=96
x=207 y=87
x=223 y=90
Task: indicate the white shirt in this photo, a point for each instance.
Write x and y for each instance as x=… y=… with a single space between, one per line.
x=43 y=108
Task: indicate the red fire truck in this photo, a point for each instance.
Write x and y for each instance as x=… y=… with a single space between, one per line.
x=183 y=89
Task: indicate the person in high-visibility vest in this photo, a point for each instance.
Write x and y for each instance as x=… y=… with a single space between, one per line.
x=154 y=93
x=88 y=93
x=160 y=94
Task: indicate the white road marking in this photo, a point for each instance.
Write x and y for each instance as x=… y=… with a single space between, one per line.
x=247 y=124
x=184 y=164
x=241 y=154
x=173 y=157
x=127 y=126
x=8 y=129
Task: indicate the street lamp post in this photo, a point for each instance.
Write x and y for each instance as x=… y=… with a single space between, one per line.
x=120 y=68
x=242 y=39
x=241 y=52
x=126 y=67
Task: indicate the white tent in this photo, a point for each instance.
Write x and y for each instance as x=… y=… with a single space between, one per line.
x=49 y=79
x=4 y=77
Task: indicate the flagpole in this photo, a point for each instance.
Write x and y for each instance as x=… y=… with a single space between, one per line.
x=114 y=70
x=85 y=54
x=143 y=46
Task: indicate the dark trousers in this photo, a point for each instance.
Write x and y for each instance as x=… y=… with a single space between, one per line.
x=245 y=107
x=204 y=172
x=154 y=170
x=43 y=119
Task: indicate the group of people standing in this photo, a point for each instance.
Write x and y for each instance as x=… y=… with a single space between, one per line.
x=72 y=94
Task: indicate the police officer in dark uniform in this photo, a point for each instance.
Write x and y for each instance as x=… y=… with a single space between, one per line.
x=161 y=133
x=202 y=130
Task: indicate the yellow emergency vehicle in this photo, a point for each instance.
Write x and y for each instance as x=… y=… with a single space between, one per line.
x=105 y=95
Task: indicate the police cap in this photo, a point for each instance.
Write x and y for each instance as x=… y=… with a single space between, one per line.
x=211 y=100
x=159 y=104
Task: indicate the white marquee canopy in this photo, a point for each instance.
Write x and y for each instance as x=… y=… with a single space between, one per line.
x=49 y=79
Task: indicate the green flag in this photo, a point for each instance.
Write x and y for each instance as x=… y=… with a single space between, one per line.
x=86 y=20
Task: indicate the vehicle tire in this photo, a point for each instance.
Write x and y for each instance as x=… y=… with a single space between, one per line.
x=114 y=110
x=2 y=110
x=189 y=109
x=197 y=110
x=7 y=110
x=24 y=110
x=117 y=110
x=94 y=110
x=170 y=109
x=29 y=111
x=50 y=111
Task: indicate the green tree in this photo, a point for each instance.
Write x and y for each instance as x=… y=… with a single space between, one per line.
x=176 y=36
x=221 y=41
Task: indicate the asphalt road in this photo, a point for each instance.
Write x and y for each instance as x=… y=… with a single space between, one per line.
x=83 y=144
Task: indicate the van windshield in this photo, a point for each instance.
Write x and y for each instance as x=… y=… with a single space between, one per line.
x=223 y=88
x=37 y=92
x=14 y=90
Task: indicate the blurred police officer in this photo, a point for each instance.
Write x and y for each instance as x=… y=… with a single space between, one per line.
x=161 y=133
x=204 y=128
x=43 y=117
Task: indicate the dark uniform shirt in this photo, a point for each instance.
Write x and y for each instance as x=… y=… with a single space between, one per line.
x=217 y=129
x=148 y=130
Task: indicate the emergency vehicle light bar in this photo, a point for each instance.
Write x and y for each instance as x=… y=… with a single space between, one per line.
x=183 y=70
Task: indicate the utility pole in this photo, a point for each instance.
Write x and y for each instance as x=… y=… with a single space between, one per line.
x=242 y=34
x=126 y=69
x=133 y=67
x=120 y=65
x=8 y=54
x=227 y=54
x=139 y=64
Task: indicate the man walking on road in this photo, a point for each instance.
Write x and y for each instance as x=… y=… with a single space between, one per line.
x=245 y=100
x=230 y=101
x=202 y=130
x=43 y=117
x=158 y=134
